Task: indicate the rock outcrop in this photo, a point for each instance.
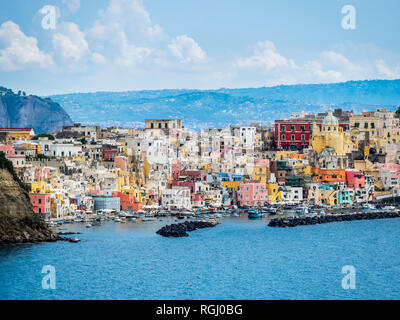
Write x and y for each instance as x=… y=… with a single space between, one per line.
x=20 y=111
x=180 y=230
x=18 y=222
x=306 y=221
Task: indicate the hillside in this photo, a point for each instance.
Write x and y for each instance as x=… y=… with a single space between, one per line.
x=18 y=223
x=20 y=111
x=218 y=108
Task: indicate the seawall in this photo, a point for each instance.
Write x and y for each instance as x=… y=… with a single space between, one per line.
x=305 y=221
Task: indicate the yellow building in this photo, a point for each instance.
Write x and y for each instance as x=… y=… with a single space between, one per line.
x=274 y=194
x=14 y=134
x=283 y=154
x=329 y=197
x=331 y=135
x=232 y=185
x=364 y=123
x=40 y=187
x=260 y=174
x=163 y=124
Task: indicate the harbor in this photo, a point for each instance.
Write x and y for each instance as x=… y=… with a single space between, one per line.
x=238 y=259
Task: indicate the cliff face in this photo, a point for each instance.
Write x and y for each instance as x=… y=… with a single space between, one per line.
x=19 y=111
x=18 y=222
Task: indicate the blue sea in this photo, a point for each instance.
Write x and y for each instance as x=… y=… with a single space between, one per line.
x=238 y=259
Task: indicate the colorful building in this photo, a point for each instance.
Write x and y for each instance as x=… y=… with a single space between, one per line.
x=329 y=175
x=252 y=194
x=40 y=203
x=14 y=134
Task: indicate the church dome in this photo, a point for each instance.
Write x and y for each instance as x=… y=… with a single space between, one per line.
x=330 y=119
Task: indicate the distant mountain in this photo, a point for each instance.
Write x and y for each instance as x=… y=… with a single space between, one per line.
x=218 y=108
x=21 y=111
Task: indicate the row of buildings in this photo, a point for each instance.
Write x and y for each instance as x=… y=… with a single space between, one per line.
x=333 y=158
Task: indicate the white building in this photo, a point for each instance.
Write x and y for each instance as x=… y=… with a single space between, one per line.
x=176 y=198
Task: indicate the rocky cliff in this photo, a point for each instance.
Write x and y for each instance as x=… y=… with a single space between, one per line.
x=18 y=222
x=21 y=111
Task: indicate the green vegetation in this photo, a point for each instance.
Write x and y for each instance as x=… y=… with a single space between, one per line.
x=398 y=112
x=43 y=135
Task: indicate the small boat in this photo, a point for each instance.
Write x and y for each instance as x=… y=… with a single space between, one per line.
x=255 y=214
x=89 y=225
x=146 y=219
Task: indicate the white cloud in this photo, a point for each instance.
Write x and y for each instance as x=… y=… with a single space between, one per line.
x=98 y=58
x=385 y=71
x=18 y=50
x=329 y=66
x=69 y=42
x=73 y=5
x=186 y=49
x=265 y=57
x=132 y=55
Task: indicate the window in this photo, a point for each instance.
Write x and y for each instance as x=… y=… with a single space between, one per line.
x=283 y=137
x=356 y=124
x=303 y=128
x=159 y=125
x=293 y=137
x=372 y=125
x=292 y=128
x=303 y=137
x=152 y=125
x=283 y=128
x=366 y=125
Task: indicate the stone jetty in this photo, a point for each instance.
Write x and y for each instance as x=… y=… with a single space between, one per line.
x=306 y=221
x=179 y=230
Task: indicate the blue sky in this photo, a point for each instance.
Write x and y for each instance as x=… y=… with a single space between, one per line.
x=115 y=45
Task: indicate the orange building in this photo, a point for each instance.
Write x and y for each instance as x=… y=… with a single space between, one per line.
x=128 y=201
x=328 y=175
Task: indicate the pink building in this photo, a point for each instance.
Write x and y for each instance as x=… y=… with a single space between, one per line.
x=18 y=161
x=176 y=170
x=42 y=174
x=252 y=194
x=261 y=163
x=40 y=202
x=195 y=175
x=121 y=162
x=355 y=179
x=188 y=184
x=7 y=149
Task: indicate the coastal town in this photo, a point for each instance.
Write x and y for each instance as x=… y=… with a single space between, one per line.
x=335 y=159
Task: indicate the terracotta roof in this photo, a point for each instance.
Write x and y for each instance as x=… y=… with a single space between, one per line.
x=16 y=129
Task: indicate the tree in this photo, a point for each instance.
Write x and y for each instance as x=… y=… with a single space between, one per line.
x=397 y=115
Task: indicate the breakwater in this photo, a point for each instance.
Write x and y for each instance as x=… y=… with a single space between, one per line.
x=305 y=221
x=179 y=230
